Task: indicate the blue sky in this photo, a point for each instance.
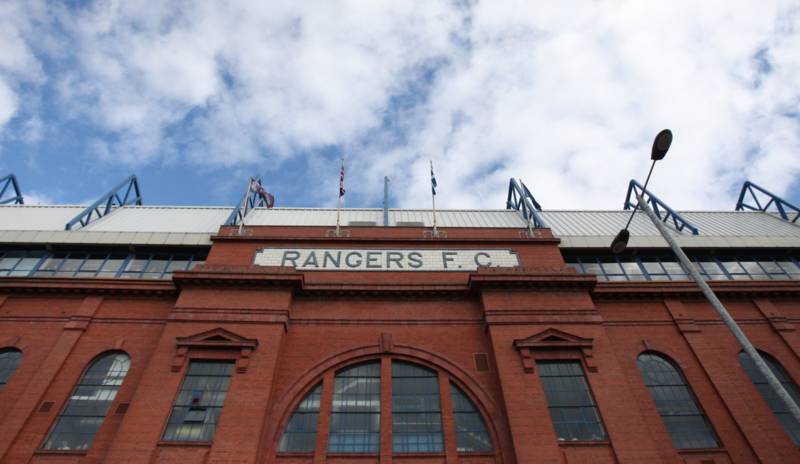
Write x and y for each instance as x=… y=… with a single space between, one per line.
x=194 y=97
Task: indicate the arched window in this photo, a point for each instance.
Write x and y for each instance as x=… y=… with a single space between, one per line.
x=416 y=413
x=300 y=434
x=471 y=433
x=790 y=425
x=682 y=416
x=88 y=404
x=9 y=360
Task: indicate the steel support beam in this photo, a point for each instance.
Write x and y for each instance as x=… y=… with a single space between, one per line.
x=250 y=200
x=9 y=184
x=752 y=202
x=126 y=193
x=661 y=209
x=521 y=199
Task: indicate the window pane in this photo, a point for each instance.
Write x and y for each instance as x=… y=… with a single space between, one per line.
x=300 y=434
x=196 y=410
x=572 y=408
x=88 y=404
x=790 y=425
x=9 y=360
x=416 y=413
x=471 y=432
x=355 y=417
x=683 y=418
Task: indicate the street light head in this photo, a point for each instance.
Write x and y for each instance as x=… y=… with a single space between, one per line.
x=661 y=145
x=620 y=242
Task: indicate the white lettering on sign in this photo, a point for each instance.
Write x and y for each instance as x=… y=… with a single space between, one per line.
x=338 y=259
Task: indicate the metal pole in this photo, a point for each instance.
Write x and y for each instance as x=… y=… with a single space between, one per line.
x=385 y=201
x=723 y=313
x=243 y=206
x=339 y=203
x=433 y=203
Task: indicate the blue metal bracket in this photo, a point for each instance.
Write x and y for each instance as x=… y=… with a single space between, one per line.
x=249 y=200
x=126 y=193
x=520 y=199
x=664 y=212
x=787 y=210
x=6 y=182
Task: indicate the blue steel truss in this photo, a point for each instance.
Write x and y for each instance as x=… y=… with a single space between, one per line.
x=787 y=210
x=126 y=193
x=664 y=212
x=6 y=182
x=248 y=201
x=521 y=199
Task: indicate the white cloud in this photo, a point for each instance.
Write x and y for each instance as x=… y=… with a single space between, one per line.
x=565 y=95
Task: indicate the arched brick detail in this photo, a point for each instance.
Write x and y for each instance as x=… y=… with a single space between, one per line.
x=285 y=406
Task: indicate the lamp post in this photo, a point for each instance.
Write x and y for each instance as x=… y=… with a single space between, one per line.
x=660 y=146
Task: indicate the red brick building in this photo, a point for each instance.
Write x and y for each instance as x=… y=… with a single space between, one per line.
x=155 y=335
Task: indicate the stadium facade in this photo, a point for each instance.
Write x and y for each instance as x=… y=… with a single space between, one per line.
x=161 y=334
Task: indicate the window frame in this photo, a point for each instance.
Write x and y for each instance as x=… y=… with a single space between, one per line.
x=444 y=382
x=72 y=392
x=12 y=371
x=696 y=402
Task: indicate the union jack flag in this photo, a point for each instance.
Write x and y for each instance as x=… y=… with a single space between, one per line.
x=341 y=180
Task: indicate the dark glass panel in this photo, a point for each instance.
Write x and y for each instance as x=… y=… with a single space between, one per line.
x=198 y=405
x=682 y=416
x=790 y=425
x=88 y=404
x=572 y=408
x=471 y=432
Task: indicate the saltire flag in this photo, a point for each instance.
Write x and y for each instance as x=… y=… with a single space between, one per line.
x=433 y=180
x=255 y=186
x=341 y=180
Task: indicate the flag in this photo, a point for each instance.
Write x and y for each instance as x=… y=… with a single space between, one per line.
x=255 y=186
x=433 y=180
x=341 y=180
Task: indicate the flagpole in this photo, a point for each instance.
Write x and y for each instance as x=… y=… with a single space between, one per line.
x=339 y=203
x=243 y=206
x=433 y=201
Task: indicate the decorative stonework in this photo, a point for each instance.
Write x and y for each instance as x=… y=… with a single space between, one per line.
x=217 y=339
x=555 y=344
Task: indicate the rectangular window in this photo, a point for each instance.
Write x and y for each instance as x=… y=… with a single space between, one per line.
x=197 y=407
x=572 y=407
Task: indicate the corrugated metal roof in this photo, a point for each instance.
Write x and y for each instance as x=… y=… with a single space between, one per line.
x=710 y=224
x=162 y=219
x=25 y=217
x=182 y=225
x=327 y=217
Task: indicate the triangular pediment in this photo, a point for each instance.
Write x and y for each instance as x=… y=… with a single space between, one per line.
x=217 y=338
x=553 y=338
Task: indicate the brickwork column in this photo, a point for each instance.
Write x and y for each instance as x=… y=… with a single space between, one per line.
x=35 y=390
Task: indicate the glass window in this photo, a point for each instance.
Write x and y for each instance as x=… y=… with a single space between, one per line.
x=300 y=434
x=790 y=425
x=572 y=408
x=88 y=404
x=633 y=270
x=416 y=412
x=683 y=418
x=471 y=432
x=356 y=411
x=712 y=270
x=9 y=360
x=197 y=407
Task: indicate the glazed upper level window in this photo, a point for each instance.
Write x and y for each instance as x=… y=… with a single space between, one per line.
x=416 y=413
x=9 y=360
x=88 y=404
x=790 y=425
x=675 y=401
x=572 y=407
x=196 y=410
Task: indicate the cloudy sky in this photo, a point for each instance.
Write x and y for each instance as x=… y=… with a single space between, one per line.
x=194 y=97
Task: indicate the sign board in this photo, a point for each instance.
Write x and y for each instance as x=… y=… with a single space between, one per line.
x=341 y=259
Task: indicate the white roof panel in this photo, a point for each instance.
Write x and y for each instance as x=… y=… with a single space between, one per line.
x=162 y=219
x=25 y=217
